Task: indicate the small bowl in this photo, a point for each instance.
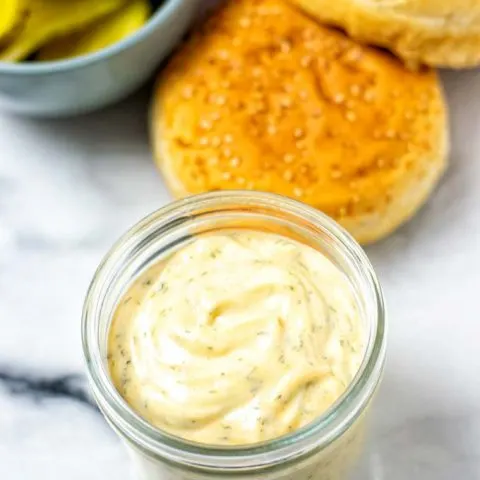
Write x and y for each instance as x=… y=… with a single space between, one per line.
x=89 y=82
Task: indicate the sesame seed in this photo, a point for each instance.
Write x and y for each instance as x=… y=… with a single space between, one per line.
x=350 y=116
x=257 y=72
x=188 y=92
x=203 y=141
x=241 y=181
x=298 y=133
x=228 y=138
x=222 y=54
x=286 y=102
x=220 y=100
x=390 y=134
x=298 y=192
x=216 y=141
x=272 y=129
x=306 y=61
x=205 y=124
x=235 y=162
x=288 y=158
x=227 y=152
x=307 y=34
x=288 y=175
x=355 y=90
x=227 y=176
x=369 y=96
x=339 y=98
x=245 y=22
x=285 y=46
x=336 y=173
x=353 y=55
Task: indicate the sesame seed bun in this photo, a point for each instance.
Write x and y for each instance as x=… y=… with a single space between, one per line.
x=264 y=98
x=442 y=33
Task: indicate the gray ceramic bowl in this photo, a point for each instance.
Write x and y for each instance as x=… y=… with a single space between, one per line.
x=83 y=84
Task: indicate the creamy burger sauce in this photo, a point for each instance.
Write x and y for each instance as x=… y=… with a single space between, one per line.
x=237 y=338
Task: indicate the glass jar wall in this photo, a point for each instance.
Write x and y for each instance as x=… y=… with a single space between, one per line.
x=327 y=448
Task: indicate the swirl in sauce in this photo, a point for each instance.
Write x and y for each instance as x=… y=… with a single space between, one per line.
x=236 y=339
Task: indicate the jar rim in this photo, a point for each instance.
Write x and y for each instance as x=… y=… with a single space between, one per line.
x=317 y=435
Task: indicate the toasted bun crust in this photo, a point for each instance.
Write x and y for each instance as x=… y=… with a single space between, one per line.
x=264 y=98
x=442 y=33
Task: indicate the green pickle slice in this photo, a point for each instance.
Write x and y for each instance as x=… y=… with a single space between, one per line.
x=12 y=16
x=102 y=34
x=49 y=19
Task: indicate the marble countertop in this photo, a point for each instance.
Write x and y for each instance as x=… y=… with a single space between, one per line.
x=69 y=188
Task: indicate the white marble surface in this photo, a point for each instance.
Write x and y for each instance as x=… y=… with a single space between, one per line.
x=69 y=188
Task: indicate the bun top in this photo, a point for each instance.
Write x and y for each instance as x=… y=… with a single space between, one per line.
x=431 y=32
x=444 y=11
x=264 y=98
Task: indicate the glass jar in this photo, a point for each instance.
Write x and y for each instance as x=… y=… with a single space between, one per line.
x=327 y=448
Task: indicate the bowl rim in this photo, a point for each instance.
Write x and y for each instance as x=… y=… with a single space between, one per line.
x=162 y=15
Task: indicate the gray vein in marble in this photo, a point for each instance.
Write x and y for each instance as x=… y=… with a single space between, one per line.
x=39 y=388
